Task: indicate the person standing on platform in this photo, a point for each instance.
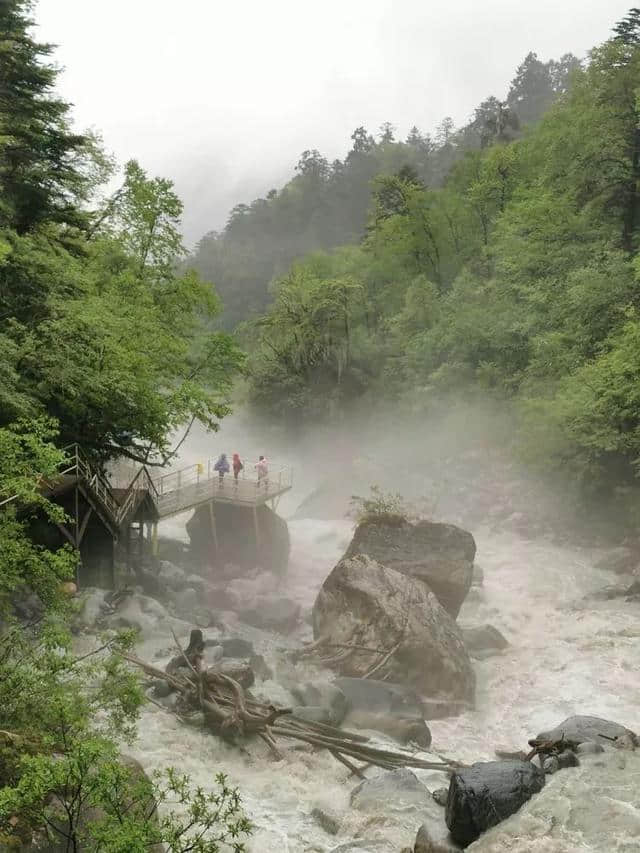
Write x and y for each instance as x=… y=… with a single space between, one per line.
x=262 y=468
x=222 y=467
x=237 y=467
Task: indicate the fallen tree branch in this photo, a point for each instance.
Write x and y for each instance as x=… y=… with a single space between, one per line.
x=229 y=711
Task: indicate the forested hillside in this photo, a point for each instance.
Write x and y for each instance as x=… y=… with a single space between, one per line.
x=516 y=277
x=326 y=204
x=101 y=343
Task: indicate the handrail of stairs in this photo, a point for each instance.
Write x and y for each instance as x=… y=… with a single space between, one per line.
x=140 y=484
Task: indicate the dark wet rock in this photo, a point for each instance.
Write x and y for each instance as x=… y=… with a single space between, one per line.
x=260 y=667
x=621 y=560
x=568 y=759
x=236 y=538
x=272 y=613
x=393 y=709
x=399 y=787
x=440 y=796
x=487 y=793
x=330 y=823
x=161 y=689
x=551 y=765
x=420 y=644
x=583 y=728
x=441 y=555
x=483 y=641
x=427 y=842
x=323 y=695
x=370 y=694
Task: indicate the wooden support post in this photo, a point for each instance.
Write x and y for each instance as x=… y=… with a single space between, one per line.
x=77 y=517
x=154 y=538
x=256 y=526
x=140 y=543
x=214 y=531
x=83 y=526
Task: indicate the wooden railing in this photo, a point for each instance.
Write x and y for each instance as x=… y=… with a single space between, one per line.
x=173 y=492
x=77 y=464
x=141 y=485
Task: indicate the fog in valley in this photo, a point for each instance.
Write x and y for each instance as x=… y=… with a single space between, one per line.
x=224 y=97
x=320 y=427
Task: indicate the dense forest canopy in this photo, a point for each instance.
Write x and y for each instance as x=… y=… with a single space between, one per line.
x=508 y=270
x=326 y=204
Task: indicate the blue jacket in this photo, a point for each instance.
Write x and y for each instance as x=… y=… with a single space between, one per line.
x=222 y=465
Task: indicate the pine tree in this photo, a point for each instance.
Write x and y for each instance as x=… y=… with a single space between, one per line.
x=39 y=173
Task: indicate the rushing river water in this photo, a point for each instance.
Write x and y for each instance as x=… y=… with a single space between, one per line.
x=566 y=656
x=569 y=654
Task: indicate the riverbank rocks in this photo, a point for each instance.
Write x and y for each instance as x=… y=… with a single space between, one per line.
x=483 y=795
x=583 y=729
x=441 y=555
x=236 y=538
x=392 y=709
x=483 y=641
x=427 y=843
x=403 y=633
x=326 y=701
x=398 y=788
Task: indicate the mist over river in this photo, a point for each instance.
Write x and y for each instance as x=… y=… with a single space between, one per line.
x=569 y=653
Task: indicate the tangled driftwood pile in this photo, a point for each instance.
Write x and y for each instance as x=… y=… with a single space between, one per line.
x=231 y=712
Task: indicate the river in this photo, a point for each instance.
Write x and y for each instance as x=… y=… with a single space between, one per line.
x=568 y=654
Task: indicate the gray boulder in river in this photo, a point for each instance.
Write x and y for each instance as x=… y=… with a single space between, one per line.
x=441 y=555
x=488 y=792
x=583 y=729
x=397 y=630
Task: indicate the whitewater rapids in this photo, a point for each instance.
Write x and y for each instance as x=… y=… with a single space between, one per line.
x=567 y=656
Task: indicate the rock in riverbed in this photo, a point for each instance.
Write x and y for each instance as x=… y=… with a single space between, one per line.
x=404 y=634
x=581 y=729
x=483 y=795
x=440 y=555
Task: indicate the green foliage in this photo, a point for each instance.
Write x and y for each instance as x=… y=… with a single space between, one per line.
x=88 y=799
x=327 y=204
x=41 y=161
x=379 y=508
x=517 y=275
x=26 y=456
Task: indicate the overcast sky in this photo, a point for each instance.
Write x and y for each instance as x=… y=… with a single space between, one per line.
x=223 y=96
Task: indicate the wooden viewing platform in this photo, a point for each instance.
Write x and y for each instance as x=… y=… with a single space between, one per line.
x=93 y=504
x=192 y=486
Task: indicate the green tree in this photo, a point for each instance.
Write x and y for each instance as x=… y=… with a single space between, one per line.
x=40 y=158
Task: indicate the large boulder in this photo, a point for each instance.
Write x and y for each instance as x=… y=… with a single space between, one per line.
x=441 y=555
x=488 y=792
x=236 y=537
x=397 y=628
x=583 y=729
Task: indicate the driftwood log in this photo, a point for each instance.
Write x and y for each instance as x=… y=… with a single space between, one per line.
x=230 y=712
